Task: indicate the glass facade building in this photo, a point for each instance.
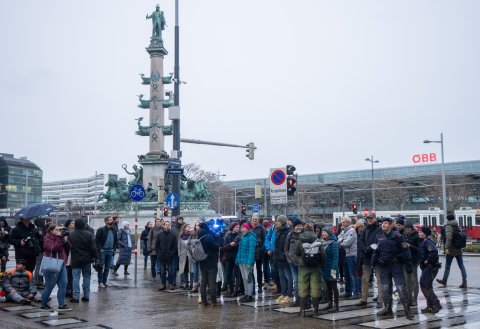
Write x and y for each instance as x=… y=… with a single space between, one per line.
x=20 y=182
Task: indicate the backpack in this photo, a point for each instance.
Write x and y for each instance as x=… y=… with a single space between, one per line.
x=195 y=249
x=459 y=238
x=312 y=255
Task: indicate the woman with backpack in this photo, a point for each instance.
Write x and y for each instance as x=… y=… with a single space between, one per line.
x=330 y=267
x=309 y=250
x=292 y=258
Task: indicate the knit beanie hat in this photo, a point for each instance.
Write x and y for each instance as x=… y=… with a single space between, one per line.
x=327 y=229
x=426 y=230
x=282 y=219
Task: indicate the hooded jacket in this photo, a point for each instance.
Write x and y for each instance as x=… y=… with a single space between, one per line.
x=21 y=232
x=304 y=237
x=210 y=246
x=332 y=252
x=348 y=240
x=452 y=225
x=246 y=250
x=84 y=248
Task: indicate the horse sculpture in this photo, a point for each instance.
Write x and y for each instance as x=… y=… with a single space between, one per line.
x=115 y=194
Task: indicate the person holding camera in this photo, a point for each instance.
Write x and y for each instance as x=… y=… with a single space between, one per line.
x=56 y=245
x=4 y=242
x=26 y=244
x=65 y=231
x=84 y=251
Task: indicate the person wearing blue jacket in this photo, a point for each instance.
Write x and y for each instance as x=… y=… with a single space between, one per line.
x=269 y=248
x=246 y=259
x=330 y=267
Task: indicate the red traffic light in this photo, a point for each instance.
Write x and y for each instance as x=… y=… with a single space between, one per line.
x=354 y=208
x=165 y=211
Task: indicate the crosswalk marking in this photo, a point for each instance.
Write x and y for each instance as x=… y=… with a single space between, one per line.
x=61 y=322
x=18 y=308
x=34 y=315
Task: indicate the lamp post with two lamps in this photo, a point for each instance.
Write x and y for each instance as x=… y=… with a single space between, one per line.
x=444 y=187
x=373 y=180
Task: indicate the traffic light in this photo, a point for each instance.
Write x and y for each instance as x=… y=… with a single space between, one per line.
x=244 y=208
x=165 y=211
x=354 y=208
x=291 y=181
x=291 y=186
x=290 y=170
x=250 y=148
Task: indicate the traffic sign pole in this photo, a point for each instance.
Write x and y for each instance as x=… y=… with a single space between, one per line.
x=137 y=244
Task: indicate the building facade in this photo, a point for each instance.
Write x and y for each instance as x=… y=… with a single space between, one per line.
x=78 y=194
x=20 y=183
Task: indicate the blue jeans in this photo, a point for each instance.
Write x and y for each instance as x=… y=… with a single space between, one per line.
x=52 y=279
x=459 y=259
x=105 y=258
x=245 y=273
x=86 y=272
x=351 y=286
x=196 y=271
x=286 y=279
x=294 y=270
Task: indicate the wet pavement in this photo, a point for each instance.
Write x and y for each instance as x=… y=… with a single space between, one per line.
x=126 y=305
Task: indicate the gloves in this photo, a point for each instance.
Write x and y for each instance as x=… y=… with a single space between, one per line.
x=374 y=246
x=333 y=273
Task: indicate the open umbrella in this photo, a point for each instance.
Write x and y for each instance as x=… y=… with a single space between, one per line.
x=35 y=210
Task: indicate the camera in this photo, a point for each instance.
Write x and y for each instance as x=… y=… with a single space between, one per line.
x=64 y=231
x=28 y=241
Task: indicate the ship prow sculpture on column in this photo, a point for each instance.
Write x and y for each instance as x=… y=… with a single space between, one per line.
x=151 y=168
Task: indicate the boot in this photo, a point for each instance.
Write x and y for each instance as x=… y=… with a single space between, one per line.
x=315 y=302
x=436 y=307
x=387 y=310
x=442 y=282
x=334 y=309
x=329 y=306
x=408 y=312
x=463 y=285
x=195 y=288
x=303 y=302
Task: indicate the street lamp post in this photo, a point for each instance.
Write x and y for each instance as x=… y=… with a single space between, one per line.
x=444 y=187
x=373 y=180
x=218 y=189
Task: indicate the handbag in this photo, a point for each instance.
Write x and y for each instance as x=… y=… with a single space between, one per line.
x=52 y=264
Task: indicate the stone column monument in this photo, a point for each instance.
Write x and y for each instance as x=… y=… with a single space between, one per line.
x=155 y=161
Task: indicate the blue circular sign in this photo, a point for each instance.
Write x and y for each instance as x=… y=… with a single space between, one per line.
x=278 y=177
x=172 y=200
x=137 y=192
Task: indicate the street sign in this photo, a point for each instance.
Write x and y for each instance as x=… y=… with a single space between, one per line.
x=278 y=186
x=172 y=200
x=137 y=192
x=174 y=162
x=255 y=208
x=174 y=171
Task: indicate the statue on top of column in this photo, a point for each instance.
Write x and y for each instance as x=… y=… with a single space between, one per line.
x=158 y=22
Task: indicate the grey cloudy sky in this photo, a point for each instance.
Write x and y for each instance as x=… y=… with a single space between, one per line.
x=317 y=84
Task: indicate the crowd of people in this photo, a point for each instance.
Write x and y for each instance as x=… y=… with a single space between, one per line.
x=302 y=263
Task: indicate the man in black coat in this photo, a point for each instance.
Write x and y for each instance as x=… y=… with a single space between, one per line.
x=25 y=242
x=208 y=267
x=167 y=249
x=83 y=252
x=106 y=241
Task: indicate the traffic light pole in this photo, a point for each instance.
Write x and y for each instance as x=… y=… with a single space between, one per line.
x=250 y=146
x=176 y=102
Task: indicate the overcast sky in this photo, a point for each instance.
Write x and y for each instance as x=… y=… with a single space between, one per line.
x=318 y=84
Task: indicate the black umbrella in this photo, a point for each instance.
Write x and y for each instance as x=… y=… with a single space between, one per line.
x=35 y=210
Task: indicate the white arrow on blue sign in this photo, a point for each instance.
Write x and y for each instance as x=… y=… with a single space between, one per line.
x=255 y=208
x=172 y=200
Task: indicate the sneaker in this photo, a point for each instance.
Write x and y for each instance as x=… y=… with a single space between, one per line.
x=361 y=303
x=85 y=299
x=75 y=301
x=126 y=273
x=107 y=285
x=25 y=301
x=46 y=307
x=115 y=273
x=64 y=308
x=101 y=285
